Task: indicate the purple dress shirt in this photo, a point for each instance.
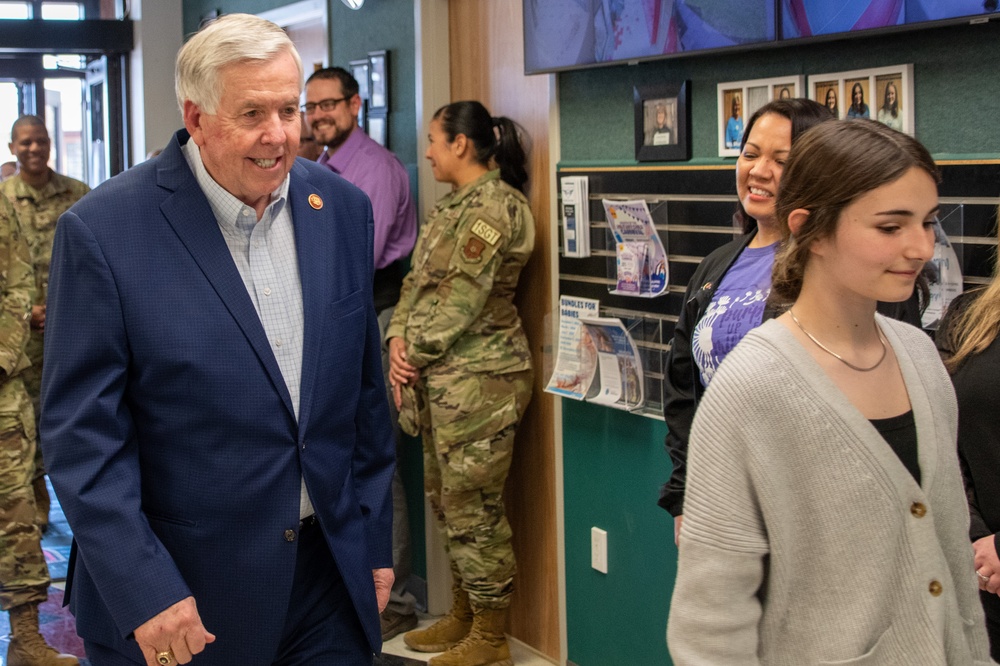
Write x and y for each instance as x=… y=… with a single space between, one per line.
x=380 y=175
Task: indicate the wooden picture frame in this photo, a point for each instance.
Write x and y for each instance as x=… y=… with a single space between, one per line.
x=886 y=94
x=662 y=122
x=738 y=100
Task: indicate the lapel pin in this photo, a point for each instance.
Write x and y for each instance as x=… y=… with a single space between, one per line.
x=315 y=201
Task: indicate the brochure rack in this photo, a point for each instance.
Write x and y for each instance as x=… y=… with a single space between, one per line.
x=692 y=207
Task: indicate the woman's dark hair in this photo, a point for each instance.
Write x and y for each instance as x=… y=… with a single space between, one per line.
x=830 y=167
x=860 y=105
x=496 y=139
x=803 y=113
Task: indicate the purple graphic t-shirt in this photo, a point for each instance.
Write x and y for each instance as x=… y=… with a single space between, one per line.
x=737 y=307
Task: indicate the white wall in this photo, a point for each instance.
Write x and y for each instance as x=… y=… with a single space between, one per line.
x=159 y=35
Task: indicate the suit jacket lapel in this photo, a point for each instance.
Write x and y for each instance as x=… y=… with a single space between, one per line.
x=189 y=214
x=314 y=254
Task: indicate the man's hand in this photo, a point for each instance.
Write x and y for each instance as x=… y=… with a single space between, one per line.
x=384 y=579
x=178 y=629
x=38 y=317
x=677 y=529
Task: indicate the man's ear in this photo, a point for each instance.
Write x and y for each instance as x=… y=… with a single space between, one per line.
x=193 y=117
x=355 y=105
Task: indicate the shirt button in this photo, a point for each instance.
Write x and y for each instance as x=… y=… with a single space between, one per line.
x=289 y=535
x=245 y=212
x=918 y=510
x=256 y=243
x=277 y=343
x=267 y=291
x=935 y=588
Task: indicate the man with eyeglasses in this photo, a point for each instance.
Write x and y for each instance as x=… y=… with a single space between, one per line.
x=331 y=108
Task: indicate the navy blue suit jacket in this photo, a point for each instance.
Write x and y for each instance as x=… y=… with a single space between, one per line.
x=168 y=430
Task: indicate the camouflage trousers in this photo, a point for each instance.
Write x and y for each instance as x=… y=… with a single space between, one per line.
x=24 y=577
x=468 y=422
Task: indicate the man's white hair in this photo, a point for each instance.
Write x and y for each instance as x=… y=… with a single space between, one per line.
x=226 y=40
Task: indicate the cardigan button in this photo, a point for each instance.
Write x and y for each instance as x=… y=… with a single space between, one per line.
x=289 y=535
x=918 y=510
x=935 y=588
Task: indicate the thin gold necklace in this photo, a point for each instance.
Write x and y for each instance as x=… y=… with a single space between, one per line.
x=837 y=356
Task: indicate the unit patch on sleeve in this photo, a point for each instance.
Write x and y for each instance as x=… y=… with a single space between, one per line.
x=485 y=231
x=473 y=250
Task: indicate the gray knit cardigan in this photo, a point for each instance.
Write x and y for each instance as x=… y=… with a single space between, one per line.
x=805 y=540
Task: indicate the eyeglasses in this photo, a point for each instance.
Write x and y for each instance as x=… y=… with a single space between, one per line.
x=324 y=104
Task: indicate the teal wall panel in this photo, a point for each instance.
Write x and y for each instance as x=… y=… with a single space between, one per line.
x=956 y=90
x=613 y=465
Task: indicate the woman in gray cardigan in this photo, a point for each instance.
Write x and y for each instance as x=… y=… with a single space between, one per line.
x=825 y=519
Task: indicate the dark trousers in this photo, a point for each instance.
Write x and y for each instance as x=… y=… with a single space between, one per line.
x=993 y=630
x=321 y=627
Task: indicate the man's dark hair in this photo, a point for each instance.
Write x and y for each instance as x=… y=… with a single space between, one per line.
x=348 y=84
x=32 y=121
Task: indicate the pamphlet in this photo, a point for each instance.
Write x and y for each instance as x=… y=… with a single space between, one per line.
x=576 y=360
x=575 y=216
x=621 y=379
x=631 y=224
x=944 y=276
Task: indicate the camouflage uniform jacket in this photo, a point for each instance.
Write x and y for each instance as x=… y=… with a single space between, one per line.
x=38 y=210
x=17 y=291
x=456 y=308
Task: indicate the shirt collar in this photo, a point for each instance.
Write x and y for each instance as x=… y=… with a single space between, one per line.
x=458 y=195
x=340 y=158
x=227 y=208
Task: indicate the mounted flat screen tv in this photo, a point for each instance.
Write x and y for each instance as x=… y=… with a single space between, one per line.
x=809 y=18
x=565 y=34
x=574 y=34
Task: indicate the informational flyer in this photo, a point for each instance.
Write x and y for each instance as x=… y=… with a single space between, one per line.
x=641 y=259
x=944 y=277
x=576 y=359
x=619 y=364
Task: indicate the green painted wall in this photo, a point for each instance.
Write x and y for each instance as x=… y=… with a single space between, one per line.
x=613 y=462
x=956 y=90
x=613 y=465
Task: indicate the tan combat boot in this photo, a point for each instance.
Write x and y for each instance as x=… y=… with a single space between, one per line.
x=449 y=630
x=27 y=647
x=486 y=644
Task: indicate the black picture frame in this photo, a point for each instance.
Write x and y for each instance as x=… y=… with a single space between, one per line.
x=378 y=127
x=665 y=138
x=359 y=70
x=378 y=80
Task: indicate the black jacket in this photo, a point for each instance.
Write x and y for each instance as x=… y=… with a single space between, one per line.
x=682 y=387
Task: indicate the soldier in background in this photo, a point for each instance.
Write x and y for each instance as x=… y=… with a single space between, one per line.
x=24 y=577
x=40 y=196
x=457 y=347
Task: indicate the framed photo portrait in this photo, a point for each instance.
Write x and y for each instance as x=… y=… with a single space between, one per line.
x=884 y=94
x=662 y=122
x=738 y=100
x=359 y=70
x=378 y=128
x=378 y=77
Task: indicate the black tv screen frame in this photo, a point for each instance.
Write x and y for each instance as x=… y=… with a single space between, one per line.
x=566 y=35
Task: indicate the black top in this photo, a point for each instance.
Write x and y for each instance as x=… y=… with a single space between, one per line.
x=977 y=387
x=901 y=434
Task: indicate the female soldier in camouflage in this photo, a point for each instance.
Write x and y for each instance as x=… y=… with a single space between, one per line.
x=461 y=370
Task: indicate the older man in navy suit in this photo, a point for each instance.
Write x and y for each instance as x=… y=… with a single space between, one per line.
x=213 y=410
